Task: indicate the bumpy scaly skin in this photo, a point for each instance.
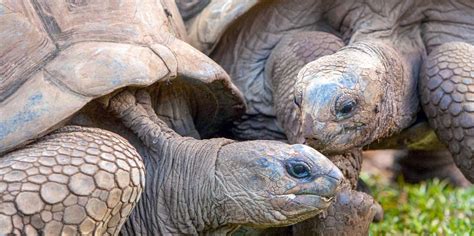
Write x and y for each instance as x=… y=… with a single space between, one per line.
x=365 y=73
x=447 y=92
x=351 y=213
x=74 y=181
x=287 y=58
x=281 y=69
x=376 y=74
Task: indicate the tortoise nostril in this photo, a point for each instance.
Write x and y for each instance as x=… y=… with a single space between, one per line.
x=334 y=178
x=336 y=174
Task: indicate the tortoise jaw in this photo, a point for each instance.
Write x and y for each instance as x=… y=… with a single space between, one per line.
x=306 y=198
x=305 y=201
x=299 y=207
x=309 y=200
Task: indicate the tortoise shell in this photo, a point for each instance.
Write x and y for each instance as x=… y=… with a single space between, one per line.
x=57 y=56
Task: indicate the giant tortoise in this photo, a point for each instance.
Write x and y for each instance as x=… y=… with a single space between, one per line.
x=121 y=66
x=366 y=90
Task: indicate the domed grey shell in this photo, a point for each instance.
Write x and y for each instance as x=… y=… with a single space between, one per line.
x=56 y=56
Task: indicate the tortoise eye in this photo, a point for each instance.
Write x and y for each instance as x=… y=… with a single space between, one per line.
x=298 y=169
x=345 y=106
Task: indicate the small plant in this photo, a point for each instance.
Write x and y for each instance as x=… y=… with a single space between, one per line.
x=428 y=208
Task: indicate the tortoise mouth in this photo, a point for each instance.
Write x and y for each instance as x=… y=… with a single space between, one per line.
x=332 y=183
x=297 y=207
x=306 y=203
x=299 y=196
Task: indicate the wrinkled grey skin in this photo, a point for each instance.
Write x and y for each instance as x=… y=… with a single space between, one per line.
x=365 y=91
x=211 y=186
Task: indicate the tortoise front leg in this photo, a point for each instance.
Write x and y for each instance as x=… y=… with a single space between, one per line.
x=170 y=103
x=447 y=93
x=74 y=181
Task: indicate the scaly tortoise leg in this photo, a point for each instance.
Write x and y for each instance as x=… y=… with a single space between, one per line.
x=173 y=107
x=74 y=181
x=447 y=93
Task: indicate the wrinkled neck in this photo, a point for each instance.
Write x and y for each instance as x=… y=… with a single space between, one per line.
x=281 y=78
x=180 y=174
x=179 y=189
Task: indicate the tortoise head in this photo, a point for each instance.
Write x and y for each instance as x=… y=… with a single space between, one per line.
x=269 y=183
x=353 y=97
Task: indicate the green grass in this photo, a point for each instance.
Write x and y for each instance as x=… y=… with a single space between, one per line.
x=429 y=208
